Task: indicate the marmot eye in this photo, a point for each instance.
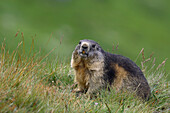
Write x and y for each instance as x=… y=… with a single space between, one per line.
x=93 y=46
x=79 y=42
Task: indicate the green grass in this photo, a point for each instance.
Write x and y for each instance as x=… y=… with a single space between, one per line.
x=134 y=24
x=33 y=83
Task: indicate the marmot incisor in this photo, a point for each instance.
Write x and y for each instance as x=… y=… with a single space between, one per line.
x=95 y=69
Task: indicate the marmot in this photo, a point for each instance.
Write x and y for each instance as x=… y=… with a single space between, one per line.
x=95 y=69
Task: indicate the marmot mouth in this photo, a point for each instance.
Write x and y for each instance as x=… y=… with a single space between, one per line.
x=83 y=54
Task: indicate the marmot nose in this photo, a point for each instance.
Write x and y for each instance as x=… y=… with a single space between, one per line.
x=84 y=46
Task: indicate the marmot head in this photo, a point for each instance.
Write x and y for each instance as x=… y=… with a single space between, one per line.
x=88 y=48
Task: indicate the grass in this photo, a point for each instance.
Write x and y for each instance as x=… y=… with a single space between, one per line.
x=133 y=24
x=33 y=83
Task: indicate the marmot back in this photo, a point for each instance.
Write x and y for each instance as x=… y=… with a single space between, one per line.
x=95 y=69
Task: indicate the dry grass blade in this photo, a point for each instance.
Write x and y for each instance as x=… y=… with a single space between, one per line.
x=47 y=54
x=17 y=33
x=151 y=54
x=49 y=38
x=22 y=35
x=32 y=44
x=143 y=56
x=117 y=46
x=154 y=61
x=139 y=54
x=3 y=52
x=142 y=66
x=147 y=60
x=162 y=64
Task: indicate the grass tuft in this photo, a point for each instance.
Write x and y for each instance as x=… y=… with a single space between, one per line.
x=31 y=83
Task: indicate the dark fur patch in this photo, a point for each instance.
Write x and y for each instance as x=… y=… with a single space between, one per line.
x=121 y=72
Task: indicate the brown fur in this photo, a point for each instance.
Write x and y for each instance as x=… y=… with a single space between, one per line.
x=82 y=77
x=120 y=75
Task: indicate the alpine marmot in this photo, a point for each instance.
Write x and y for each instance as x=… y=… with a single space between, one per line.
x=95 y=69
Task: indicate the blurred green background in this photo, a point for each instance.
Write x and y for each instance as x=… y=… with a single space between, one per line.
x=133 y=24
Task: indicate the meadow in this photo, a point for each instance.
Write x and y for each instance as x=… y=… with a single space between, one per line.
x=131 y=24
x=37 y=38
x=33 y=83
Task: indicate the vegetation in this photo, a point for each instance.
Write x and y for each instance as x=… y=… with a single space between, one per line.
x=33 y=79
x=33 y=83
x=134 y=24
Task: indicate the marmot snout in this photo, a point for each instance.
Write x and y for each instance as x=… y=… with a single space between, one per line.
x=86 y=47
x=95 y=69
